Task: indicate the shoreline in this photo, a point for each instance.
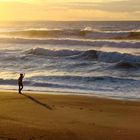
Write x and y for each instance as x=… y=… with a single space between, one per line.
x=44 y=116
x=73 y=94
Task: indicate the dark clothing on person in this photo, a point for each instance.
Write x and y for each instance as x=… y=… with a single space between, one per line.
x=20 y=83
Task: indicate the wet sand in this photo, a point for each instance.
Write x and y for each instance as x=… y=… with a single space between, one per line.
x=66 y=117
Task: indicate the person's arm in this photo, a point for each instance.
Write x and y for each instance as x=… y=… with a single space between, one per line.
x=24 y=75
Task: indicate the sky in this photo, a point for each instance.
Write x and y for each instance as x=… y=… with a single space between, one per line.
x=68 y=10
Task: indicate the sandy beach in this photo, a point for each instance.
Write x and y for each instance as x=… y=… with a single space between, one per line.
x=60 y=117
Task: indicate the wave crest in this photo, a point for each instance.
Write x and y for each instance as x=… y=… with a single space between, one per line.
x=110 y=57
x=74 y=33
x=48 y=52
x=127 y=65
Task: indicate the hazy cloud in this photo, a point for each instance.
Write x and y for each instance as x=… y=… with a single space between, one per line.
x=112 y=6
x=70 y=10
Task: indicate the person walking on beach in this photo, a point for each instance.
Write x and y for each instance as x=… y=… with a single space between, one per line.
x=20 y=82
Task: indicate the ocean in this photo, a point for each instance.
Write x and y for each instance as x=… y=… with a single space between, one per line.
x=94 y=58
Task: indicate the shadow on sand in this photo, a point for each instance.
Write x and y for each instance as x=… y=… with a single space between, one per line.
x=38 y=102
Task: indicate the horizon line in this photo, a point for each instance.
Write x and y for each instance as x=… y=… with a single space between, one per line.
x=67 y=20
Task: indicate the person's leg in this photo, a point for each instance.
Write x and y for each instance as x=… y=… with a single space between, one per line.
x=21 y=87
x=19 y=91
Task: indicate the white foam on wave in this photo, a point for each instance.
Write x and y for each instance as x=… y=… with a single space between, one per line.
x=87 y=32
x=110 y=57
x=67 y=41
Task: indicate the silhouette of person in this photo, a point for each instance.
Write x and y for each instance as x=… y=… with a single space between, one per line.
x=20 y=82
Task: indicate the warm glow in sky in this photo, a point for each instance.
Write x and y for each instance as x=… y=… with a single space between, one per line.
x=69 y=10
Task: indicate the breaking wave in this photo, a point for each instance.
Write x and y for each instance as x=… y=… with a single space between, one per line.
x=67 y=41
x=48 y=52
x=73 y=33
x=110 y=57
x=127 y=65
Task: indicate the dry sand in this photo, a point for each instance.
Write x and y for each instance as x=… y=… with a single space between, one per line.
x=59 y=117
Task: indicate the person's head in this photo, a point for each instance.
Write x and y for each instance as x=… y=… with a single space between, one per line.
x=21 y=74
